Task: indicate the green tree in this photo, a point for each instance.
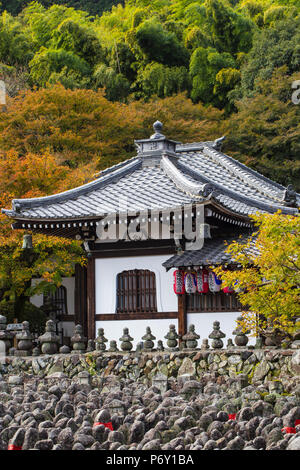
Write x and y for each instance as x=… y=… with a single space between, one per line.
x=231 y=31
x=265 y=131
x=94 y=7
x=15 y=45
x=204 y=66
x=52 y=65
x=274 y=47
x=160 y=45
x=269 y=277
x=225 y=81
x=81 y=40
x=158 y=79
x=117 y=87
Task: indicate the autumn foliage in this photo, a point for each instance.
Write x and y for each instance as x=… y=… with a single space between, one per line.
x=268 y=280
x=55 y=139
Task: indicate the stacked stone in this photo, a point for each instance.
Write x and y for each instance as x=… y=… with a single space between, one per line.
x=126 y=344
x=113 y=346
x=241 y=340
x=216 y=336
x=172 y=338
x=64 y=349
x=5 y=336
x=90 y=345
x=101 y=340
x=78 y=341
x=24 y=338
x=215 y=413
x=49 y=340
x=148 y=340
x=191 y=338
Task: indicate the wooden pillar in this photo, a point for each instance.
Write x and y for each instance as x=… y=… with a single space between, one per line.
x=91 y=304
x=182 y=318
x=81 y=297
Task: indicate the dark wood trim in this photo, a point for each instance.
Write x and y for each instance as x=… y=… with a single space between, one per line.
x=134 y=252
x=91 y=328
x=213 y=302
x=81 y=297
x=135 y=316
x=227 y=310
x=68 y=318
x=182 y=318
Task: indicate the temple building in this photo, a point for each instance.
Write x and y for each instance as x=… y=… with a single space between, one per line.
x=153 y=227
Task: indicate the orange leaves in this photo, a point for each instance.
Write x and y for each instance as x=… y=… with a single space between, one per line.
x=55 y=139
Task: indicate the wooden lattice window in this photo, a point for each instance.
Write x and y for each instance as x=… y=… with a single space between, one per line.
x=213 y=302
x=57 y=301
x=136 y=291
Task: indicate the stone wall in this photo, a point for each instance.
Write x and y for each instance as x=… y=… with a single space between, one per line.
x=282 y=367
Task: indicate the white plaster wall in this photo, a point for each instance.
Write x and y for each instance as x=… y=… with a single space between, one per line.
x=137 y=328
x=68 y=328
x=106 y=270
x=204 y=325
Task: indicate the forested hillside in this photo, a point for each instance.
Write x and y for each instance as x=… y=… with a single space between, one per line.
x=239 y=57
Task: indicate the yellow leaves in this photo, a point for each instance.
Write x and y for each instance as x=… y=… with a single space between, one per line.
x=273 y=282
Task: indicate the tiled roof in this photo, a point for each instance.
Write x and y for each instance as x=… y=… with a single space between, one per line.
x=198 y=172
x=212 y=253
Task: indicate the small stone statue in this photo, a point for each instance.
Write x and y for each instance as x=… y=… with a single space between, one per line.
x=240 y=336
x=230 y=344
x=5 y=336
x=191 y=338
x=160 y=346
x=290 y=197
x=78 y=340
x=36 y=350
x=139 y=347
x=172 y=338
x=205 y=344
x=113 y=346
x=24 y=338
x=90 y=345
x=64 y=349
x=259 y=343
x=49 y=340
x=101 y=340
x=216 y=336
x=126 y=339
x=148 y=337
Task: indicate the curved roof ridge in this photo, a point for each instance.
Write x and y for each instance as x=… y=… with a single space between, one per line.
x=243 y=172
x=130 y=167
x=112 y=168
x=191 y=188
x=270 y=207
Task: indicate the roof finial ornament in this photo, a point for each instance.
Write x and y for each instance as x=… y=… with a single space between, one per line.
x=289 y=196
x=157 y=126
x=217 y=144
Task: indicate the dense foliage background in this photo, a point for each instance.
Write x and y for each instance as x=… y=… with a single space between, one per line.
x=86 y=77
x=239 y=57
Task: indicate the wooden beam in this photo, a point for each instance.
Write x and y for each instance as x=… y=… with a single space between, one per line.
x=81 y=297
x=135 y=316
x=91 y=301
x=182 y=318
